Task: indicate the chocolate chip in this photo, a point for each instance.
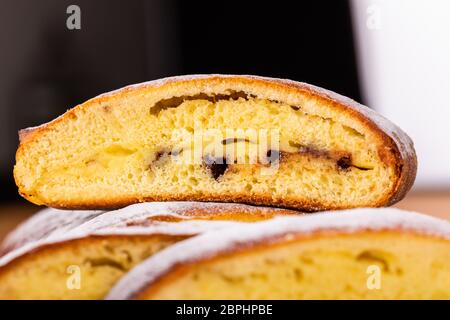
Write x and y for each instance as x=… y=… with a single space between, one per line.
x=273 y=156
x=344 y=163
x=234 y=140
x=164 y=153
x=159 y=155
x=217 y=166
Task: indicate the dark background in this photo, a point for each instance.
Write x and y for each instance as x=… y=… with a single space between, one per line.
x=46 y=68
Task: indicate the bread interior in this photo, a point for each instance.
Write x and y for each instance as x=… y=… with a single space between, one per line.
x=366 y=265
x=231 y=147
x=79 y=269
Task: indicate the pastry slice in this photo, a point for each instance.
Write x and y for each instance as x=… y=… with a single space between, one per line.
x=216 y=138
x=80 y=255
x=357 y=254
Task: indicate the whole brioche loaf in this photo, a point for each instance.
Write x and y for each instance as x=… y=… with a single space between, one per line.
x=38 y=258
x=217 y=138
x=355 y=254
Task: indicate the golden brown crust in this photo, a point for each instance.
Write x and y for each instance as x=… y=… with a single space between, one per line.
x=161 y=223
x=49 y=228
x=176 y=260
x=398 y=150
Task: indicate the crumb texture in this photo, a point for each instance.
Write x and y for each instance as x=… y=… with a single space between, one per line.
x=320 y=268
x=241 y=139
x=40 y=256
x=320 y=256
x=78 y=269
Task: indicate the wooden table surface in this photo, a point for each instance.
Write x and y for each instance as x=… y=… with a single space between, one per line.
x=432 y=203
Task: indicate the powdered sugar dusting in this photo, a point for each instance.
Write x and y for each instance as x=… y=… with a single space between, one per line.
x=44 y=224
x=213 y=243
x=52 y=226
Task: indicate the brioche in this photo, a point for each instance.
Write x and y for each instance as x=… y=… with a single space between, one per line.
x=101 y=247
x=216 y=138
x=359 y=254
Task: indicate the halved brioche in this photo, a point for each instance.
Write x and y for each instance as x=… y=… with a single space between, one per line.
x=216 y=138
x=359 y=254
x=41 y=256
